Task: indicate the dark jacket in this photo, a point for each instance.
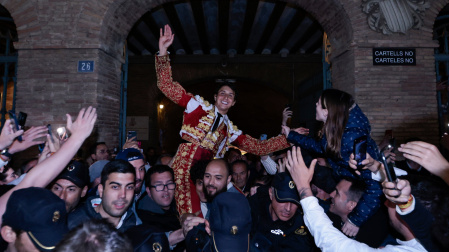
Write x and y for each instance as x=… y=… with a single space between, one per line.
x=357 y=126
x=266 y=234
x=420 y=222
x=152 y=214
x=373 y=232
x=87 y=212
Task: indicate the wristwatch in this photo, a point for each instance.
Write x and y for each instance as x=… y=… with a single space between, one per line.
x=6 y=153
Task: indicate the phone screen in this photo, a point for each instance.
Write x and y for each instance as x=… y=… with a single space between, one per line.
x=360 y=145
x=22 y=118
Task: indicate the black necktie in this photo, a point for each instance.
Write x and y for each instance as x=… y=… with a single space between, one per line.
x=217 y=122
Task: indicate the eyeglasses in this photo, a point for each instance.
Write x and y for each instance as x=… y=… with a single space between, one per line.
x=161 y=187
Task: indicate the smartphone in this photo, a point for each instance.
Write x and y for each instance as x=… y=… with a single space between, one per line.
x=41 y=147
x=131 y=134
x=360 y=145
x=14 y=123
x=50 y=133
x=22 y=118
x=389 y=170
x=288 y=106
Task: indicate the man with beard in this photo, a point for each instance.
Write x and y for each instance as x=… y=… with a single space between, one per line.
x=116 y=192
x=136 y=159
x=217 y=179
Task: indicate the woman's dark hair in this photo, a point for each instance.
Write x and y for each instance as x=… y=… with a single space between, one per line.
x=338 y=104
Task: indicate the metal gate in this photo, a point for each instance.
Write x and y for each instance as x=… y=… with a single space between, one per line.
x=8 y=63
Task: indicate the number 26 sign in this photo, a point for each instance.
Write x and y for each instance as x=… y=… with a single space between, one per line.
x=85 y=66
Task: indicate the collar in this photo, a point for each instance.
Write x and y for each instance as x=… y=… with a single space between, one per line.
x=225 y=117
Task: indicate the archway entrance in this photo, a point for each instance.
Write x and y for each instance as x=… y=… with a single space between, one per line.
x=275 y=44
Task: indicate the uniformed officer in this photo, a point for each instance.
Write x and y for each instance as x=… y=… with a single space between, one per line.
x=278 y=223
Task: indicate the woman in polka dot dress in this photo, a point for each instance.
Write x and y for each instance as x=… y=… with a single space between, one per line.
x=343 y=122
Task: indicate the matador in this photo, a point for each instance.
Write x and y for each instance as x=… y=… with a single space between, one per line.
x=206 y=129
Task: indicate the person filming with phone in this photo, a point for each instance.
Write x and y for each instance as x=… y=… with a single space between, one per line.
x=343 y=123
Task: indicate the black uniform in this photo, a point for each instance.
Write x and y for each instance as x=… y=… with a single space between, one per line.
x=269 y=235
x=87 y=212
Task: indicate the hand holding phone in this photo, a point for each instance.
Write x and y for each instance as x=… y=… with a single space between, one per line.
x=360 y=145
x=131 y=134
x=14 y=123
x=22 y=118
x=389 y=169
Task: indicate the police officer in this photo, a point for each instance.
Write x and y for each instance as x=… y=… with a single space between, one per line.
x=278 y=224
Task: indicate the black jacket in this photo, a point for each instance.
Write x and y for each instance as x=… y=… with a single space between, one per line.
x=87 y=212
x=269 y=235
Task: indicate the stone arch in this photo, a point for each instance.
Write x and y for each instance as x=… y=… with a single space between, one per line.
x=25 y=17
x=122 y=15
x=334 y=20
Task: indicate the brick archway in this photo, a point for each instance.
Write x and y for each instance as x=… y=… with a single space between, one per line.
x=122 y=15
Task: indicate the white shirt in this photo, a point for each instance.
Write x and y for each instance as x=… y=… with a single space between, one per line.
x=328 y=238
x=270 y=165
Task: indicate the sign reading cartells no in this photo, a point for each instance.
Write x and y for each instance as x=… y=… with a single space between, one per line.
x=394 y=56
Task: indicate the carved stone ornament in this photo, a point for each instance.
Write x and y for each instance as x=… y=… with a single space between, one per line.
x=394 y=16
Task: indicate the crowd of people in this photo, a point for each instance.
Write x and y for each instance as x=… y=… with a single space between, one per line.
x=292 y=192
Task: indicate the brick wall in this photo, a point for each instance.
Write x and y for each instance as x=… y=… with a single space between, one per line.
x=53 y=35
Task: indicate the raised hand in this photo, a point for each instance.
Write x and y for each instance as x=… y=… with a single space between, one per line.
x=281 y=164
x=165 y=40
x=369 y=163
x=8 y=135
x=285 y=130
x=287 y=113
x=131 y=143
x=84 y=123
x=29 y=139
x=301 y=175
x=399 y=192
x=53 y=143
x=428 y=156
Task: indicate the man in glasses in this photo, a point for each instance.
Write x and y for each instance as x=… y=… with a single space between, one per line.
x=157 y=208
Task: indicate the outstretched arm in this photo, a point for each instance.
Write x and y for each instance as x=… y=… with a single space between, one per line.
x=260 y=147
x=172 y=89
x=45 y=172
